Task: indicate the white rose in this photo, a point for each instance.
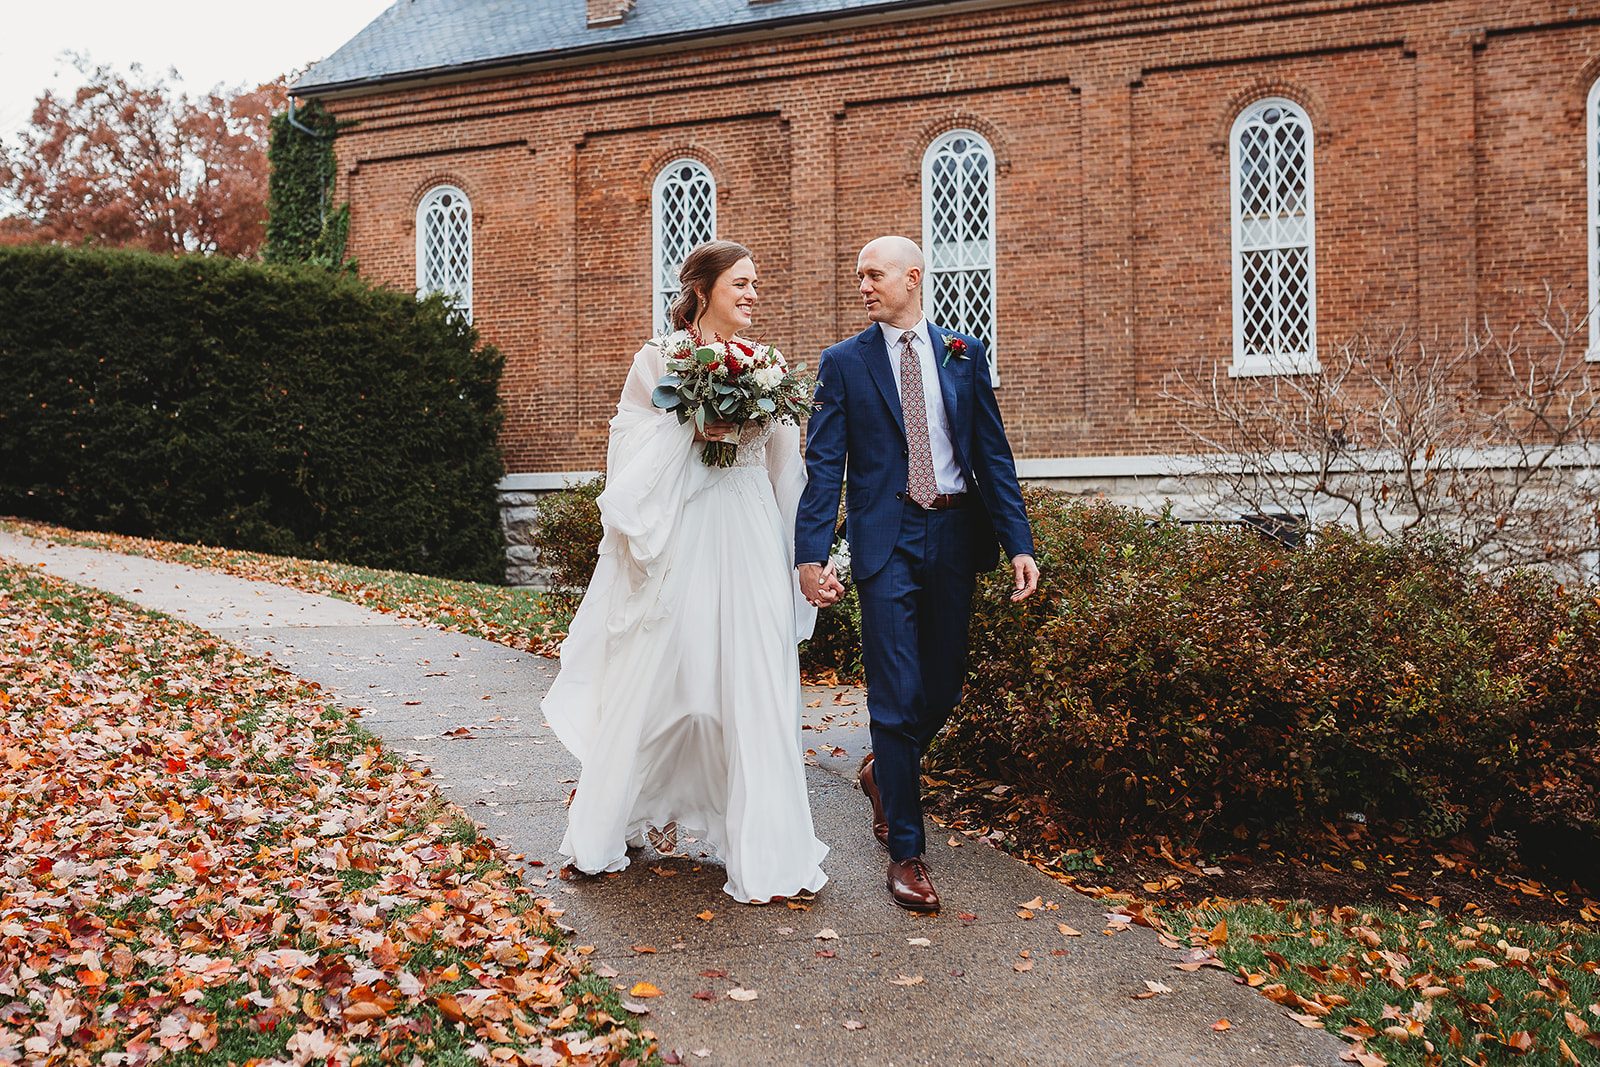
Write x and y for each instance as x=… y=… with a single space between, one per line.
x=768 y=377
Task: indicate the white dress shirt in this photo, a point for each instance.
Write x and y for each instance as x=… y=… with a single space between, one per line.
x=946 y=472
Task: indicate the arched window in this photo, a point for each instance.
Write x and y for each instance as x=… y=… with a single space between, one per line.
x=1593 y=148
x=444 y=246
x=958 y=235
x=683 y=210
x=1274 y=241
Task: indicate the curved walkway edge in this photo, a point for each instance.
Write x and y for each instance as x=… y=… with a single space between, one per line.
x=976 y=984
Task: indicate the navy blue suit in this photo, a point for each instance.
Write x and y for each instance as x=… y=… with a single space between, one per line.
x=914 y=569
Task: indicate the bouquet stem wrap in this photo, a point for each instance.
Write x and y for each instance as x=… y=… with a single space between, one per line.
x=720 y=453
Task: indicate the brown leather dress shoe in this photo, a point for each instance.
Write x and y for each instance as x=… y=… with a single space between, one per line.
x=910 y=885
x=869 y=786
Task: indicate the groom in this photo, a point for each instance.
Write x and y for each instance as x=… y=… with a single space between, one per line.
x=906 y=409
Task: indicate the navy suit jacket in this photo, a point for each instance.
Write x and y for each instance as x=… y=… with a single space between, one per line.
x=858 y=426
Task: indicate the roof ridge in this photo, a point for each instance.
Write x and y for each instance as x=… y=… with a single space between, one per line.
x=415 y=39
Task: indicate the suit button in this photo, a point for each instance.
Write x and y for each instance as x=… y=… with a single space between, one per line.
x=899 y=496
x=906 y=453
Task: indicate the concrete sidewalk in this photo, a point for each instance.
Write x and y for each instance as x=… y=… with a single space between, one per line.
x=927 y=990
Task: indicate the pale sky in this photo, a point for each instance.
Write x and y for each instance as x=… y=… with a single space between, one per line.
x=210 y=43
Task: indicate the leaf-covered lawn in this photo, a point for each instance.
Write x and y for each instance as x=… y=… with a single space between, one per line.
x=518 y=618
x=1416 y=987
x=205 y=860
x=285 y=830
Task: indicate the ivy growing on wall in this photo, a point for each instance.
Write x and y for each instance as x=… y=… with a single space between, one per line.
x=303 y=226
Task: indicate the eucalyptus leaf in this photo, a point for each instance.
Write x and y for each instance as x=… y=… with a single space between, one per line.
x=666 y=397
x=766 y=405
x=705 y=355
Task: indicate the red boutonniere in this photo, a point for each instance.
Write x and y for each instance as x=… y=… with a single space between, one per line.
x=953 y=346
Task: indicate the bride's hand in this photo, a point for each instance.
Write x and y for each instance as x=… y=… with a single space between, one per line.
x=715 y=431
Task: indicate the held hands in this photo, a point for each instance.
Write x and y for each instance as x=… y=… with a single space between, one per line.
x=819 y=585
x=1027 y=576
x=715 y=431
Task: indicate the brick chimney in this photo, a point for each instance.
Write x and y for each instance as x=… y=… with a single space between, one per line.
x=609 y=12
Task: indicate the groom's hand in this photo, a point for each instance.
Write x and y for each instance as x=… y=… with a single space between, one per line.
x=819 y=585
x=1027 y=576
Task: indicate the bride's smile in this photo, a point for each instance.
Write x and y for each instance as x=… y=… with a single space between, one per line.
x=731 y=302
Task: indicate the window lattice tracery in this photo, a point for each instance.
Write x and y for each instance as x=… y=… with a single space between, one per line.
x=958 y=226
x=444 y=246
x=1274 y=247
x=683 y=214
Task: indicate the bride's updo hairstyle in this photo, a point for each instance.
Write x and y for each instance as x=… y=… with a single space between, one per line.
x=700 y=271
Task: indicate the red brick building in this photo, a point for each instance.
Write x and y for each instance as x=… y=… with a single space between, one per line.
x=1109 y=190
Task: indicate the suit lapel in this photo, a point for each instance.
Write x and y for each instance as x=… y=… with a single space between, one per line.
x=875 y=354
x=948 y=371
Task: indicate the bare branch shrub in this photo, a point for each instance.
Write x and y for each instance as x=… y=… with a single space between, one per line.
x=1489 y=441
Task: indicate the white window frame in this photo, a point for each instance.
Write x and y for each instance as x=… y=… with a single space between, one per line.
x=664 y=274
x=459 y=289
x=1592 y=166
x=975 y=256
x=1247 y=363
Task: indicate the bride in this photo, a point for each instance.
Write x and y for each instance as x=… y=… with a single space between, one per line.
x=679 y=688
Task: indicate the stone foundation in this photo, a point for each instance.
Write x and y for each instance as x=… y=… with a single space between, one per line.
x=519 y=498
x=518 y=519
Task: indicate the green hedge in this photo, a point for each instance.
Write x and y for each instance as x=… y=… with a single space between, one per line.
x=1208 y=682
x=290 y=410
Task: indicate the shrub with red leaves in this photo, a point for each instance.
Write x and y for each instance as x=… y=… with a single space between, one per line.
x=1202 y=681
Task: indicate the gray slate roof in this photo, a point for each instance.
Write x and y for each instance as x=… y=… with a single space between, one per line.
x=422 y=37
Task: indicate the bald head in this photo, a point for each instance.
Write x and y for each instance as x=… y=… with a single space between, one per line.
x=890 y=270
x=901 y=251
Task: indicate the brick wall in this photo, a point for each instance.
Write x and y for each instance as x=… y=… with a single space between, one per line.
x=1449 y=174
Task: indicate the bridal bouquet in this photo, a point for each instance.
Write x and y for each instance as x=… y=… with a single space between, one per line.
x=731 y=381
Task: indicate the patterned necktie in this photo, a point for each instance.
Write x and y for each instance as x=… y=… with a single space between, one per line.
x=920 y=484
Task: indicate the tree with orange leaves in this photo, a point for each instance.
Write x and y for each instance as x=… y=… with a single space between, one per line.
x=128 y=161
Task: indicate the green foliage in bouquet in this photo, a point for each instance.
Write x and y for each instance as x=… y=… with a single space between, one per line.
x=1207 y=682
x=740 y=383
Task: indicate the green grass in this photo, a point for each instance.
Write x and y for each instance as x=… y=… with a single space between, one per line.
x=521 y=618
x=1416 y=987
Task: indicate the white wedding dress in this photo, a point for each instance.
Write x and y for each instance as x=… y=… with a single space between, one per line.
x=679 y=688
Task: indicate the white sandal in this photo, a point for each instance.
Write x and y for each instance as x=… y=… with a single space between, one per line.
x=664 y=840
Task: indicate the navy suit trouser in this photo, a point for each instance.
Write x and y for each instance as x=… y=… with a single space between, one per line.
x=914 y=614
